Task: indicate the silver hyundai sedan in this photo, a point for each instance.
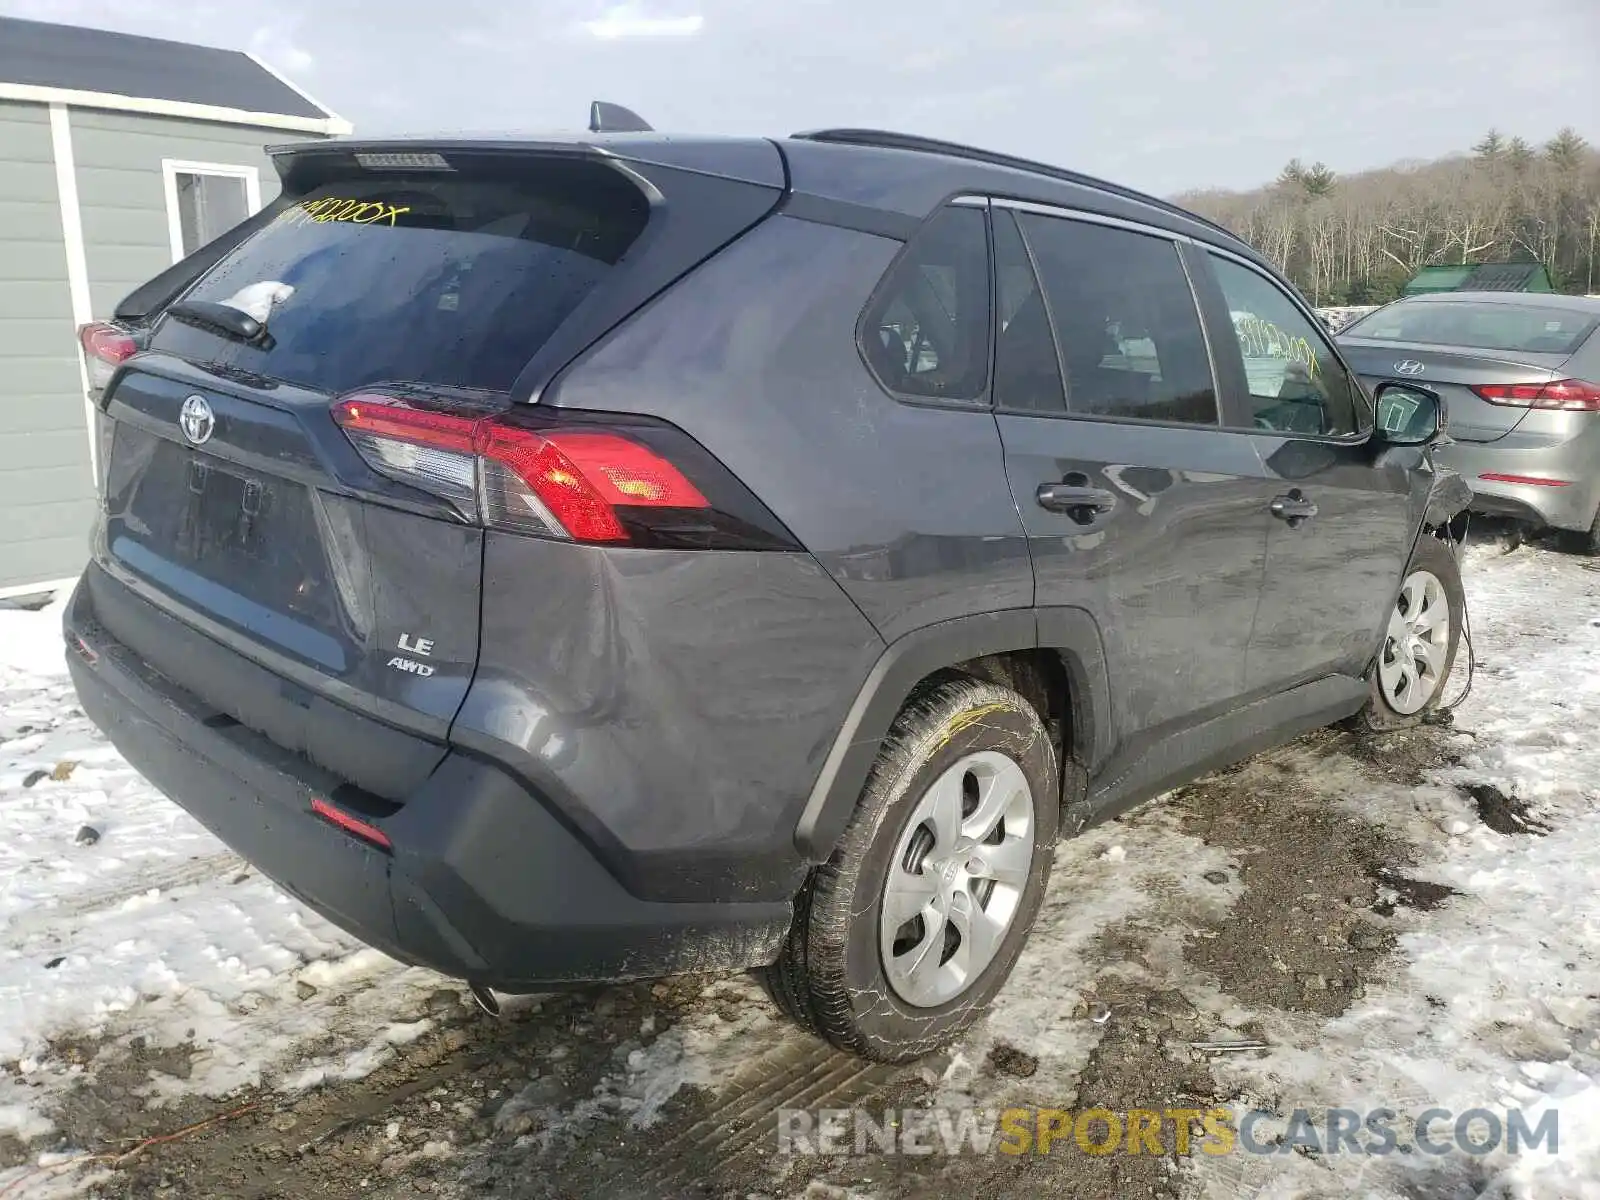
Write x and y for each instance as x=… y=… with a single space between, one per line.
x=1520 y=375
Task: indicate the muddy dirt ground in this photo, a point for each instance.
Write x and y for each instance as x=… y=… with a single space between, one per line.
x=538 y=1104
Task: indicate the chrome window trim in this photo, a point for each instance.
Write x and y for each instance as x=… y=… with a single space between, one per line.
x=1078 y=214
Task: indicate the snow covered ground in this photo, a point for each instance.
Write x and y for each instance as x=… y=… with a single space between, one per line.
x=1494 y=998
x=154 y=935
x=122 y=918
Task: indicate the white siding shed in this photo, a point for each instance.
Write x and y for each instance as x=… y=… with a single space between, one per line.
x=118 y=156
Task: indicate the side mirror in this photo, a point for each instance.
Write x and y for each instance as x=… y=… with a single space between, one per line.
x=1409 y=415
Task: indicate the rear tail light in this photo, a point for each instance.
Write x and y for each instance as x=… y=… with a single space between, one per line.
x=582 y=477
x=1568 y=395
x=105 y=348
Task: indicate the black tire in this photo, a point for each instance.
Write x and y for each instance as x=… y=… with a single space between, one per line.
x=1378 y=715
x=830 y=977
x=1584 y=542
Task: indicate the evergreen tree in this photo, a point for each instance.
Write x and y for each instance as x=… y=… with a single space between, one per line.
x=1565 y=150
x=1492 y=148
x=1317 y=180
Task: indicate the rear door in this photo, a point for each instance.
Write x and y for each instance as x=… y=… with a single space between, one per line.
x=1137 y=506
x=1344 y=517
x=233 y=501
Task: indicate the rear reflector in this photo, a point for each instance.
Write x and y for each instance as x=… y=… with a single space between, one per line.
x=351 y=825
x=105 y=348
x=1568 y=395
x=1497 y=477
x=555 y=473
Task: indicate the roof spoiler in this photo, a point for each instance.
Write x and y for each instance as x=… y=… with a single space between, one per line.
x=605 y=117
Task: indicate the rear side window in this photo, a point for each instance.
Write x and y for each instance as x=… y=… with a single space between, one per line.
x=1529 y=328
x=1125 y=321
x=453 y=279
x=926 y=332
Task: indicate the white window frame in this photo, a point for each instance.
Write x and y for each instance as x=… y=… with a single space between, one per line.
x=171 y=168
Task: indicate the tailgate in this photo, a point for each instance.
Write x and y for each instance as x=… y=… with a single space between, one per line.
x=346 y=569
x=249 y=537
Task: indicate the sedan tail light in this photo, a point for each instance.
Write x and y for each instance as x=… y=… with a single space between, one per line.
x=556 y=473
x=1568 y=395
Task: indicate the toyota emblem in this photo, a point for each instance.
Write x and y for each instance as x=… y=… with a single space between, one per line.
x=1409 y=366
x=197 y=420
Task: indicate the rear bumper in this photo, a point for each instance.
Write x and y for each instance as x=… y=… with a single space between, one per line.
x=1567 y=501
x=483 y=882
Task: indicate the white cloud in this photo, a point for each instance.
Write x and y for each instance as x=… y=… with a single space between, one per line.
x=1155 y=93
x=629 y=21
x=1122 y=19
x=277 y=47
x=149 y=18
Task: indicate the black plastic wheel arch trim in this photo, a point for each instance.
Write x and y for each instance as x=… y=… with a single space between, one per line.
x=912 y=658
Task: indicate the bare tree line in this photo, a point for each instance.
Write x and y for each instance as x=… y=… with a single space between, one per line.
x=1359 y=238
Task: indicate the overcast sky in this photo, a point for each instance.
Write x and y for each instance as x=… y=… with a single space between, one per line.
x=1160 y=94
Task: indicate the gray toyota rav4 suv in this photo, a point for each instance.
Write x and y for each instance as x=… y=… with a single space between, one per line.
x=588 y=558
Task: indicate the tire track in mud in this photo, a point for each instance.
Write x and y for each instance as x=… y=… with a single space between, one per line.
x=729 y=1131
x=534 y=1107
x=320 y=1141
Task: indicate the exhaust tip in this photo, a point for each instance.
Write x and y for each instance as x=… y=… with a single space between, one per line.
x=484 y=998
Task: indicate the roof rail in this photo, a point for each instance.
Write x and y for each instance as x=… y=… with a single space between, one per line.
x=885 y=140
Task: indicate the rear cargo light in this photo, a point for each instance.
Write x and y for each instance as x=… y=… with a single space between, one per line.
x=582 y=477
x=105 y=348
x=1568 y=395
x=351 y=825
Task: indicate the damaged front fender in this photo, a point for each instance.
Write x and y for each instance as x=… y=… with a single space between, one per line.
x=1448 y=496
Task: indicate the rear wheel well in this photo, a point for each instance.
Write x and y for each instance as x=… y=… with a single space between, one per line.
x=1063 y=681
x=1041 y=678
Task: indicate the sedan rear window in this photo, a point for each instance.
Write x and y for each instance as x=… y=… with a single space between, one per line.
x=1531 y=328
x=454 y=279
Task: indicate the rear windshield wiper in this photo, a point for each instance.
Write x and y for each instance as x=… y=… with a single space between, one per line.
x=219 y=318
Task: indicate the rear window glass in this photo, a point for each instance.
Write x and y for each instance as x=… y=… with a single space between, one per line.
x=453 y=279
x=1526 y=327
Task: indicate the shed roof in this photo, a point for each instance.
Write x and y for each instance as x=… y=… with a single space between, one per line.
x=1480 y=277
x=1438 y=279
x=1507 y=277
x=100 y=69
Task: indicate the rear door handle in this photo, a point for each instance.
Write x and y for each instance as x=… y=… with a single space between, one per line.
x=1294 y=508
x=1079 y=501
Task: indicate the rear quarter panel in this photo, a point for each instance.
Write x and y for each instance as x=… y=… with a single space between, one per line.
x=754 y=354
x=673 y=706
